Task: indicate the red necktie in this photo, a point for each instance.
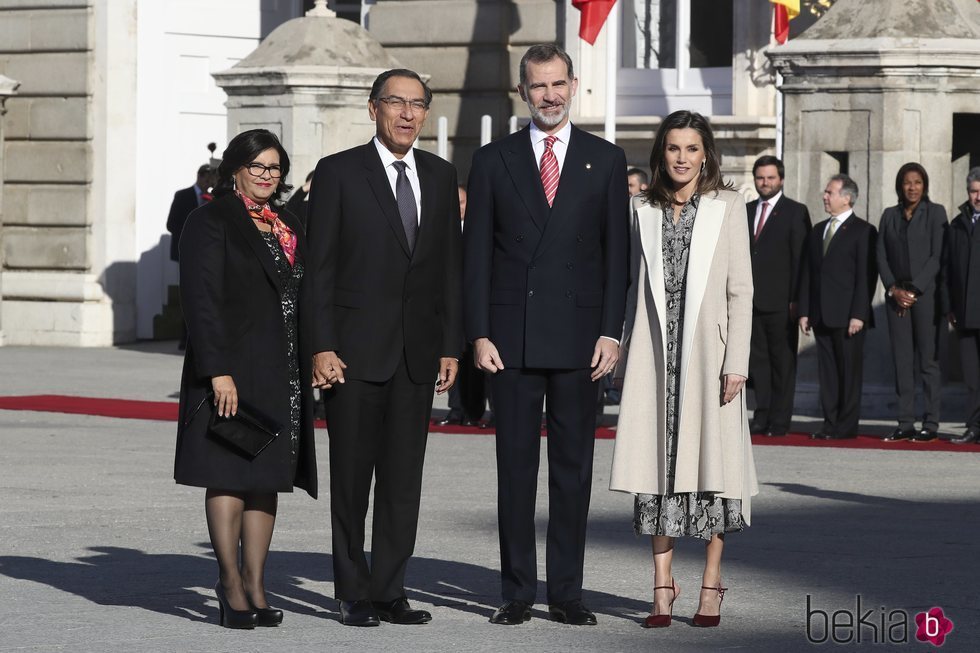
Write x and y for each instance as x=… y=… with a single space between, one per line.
x=762 y=220
x=549 y=169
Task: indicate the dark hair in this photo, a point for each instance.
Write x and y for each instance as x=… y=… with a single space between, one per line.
x=848 y=187
x=204 y=170
x=542 y=53
x=382 y=79
x=639 y=172
x=661 y=190
x=911 y=166
x=242 y=150
x=769 y=160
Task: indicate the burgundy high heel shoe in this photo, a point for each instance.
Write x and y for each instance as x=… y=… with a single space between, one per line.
x=710 y=621
x=663 y=620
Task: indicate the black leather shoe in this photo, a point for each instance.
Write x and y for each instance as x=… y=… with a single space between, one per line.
x=969 y=436
x=898 y=435
x=228 y=616
x=573 y=613
x=470 y=422
x=821 y=435
x=449 y=419
x=358 y=613
x=925 y=435
x=755 y=428
x=266 y=617
x=512 y=613
x=400 y=611
x=775 y=434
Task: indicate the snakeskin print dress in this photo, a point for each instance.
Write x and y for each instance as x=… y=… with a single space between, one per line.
x=694 y=514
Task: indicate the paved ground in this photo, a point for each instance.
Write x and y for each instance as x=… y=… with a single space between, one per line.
x=101 y=551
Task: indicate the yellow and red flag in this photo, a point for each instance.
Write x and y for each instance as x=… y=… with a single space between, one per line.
x=594 y=14
x=783 y=12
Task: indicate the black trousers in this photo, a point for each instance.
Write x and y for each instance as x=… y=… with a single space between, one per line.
x=772 y=368
x=518 y=398
x=467 y=397
x=840 y=367
x=915 y=350
x=377 y=432
x=969 y=342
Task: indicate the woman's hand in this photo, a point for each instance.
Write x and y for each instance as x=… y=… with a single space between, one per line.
x=733 y=385
x=225 y=395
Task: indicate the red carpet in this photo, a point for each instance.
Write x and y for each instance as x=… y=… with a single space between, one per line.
x=166 y=411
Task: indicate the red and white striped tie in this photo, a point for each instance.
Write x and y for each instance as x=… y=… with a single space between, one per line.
x=549 y=169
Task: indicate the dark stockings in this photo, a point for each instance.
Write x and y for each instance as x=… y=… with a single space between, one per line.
x=246 y=521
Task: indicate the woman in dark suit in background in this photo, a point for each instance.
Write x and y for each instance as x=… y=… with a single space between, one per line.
x=241 y=267
x=910 y=244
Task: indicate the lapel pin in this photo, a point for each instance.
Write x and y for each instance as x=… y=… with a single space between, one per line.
x=588 y=166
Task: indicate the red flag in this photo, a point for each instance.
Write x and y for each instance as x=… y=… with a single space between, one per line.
x=594 y=13
x=783 y=11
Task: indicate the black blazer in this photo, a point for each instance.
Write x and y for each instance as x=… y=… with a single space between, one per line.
x=373 y=300
x=961 y=270
x=544 y=283
x=777 y=254
x=924 y=247
x=231 y=297
x=185 y=201
x=838 y=287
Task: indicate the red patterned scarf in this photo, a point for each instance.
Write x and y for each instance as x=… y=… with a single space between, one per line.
x=285 y=235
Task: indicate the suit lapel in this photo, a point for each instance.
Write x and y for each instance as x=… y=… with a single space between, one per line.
x=839 y=235
x=704 y=240
x=243 y=222
x=575 y=173
x=378 y=180
x=523 y=170
x=650 y=220
x=427 y=226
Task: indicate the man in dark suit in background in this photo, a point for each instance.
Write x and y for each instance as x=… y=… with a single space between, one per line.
x=545 y=275
x=385 y=246
x=838 y=280
x=778 y=227
x=961 y=298
x=185 y=201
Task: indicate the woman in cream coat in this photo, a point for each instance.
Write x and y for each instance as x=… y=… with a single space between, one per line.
x=683 y=445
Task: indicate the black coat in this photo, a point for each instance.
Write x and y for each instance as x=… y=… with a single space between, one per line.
x=777 y=254
x=544 y=283
x=923 y=248
x=961 y=270
x=838 y=287
x=185 y=201
x=230 y=293
x=374 y=301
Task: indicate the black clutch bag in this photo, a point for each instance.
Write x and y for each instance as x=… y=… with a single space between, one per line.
x=248 y=431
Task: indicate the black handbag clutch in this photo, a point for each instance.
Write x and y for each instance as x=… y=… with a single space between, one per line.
x=248 y=431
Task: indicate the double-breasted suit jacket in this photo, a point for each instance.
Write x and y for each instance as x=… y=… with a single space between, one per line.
x=543 y=283
x=714 y=452
x=232 y=300
x=961 y=270
x=374 y=299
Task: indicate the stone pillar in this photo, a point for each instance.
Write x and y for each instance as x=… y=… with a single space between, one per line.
x=871 y=85
x=309 y=83
x=7 y=88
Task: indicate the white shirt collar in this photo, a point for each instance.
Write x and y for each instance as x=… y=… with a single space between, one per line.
x=387 y=158
x=772 y=200
x=839 y=218
x=563 y=134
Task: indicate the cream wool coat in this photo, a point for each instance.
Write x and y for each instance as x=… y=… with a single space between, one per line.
x=714 y=450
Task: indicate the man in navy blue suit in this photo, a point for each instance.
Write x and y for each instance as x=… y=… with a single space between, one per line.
x=545 y=268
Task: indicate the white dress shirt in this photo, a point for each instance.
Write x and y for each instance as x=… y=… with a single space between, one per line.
x=771 y=202
x=559 y=148
x=839 y=219
x=387 y=158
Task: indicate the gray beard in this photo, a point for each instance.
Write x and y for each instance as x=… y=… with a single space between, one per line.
x=548 y=121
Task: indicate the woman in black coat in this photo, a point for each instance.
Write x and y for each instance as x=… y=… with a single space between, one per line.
x=241 y=268
x=910 y=245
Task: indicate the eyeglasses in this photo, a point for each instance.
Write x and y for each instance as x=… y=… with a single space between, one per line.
x=399 y=103
x=258 y=170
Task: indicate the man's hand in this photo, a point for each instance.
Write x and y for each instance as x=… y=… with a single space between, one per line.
x=733 y=385
x=485 y=356
x=854 y=326
x=604 y=358
x=805 y=325
x=951 y=318
x=448 y=368
x=328 y=370
x=225 y=395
